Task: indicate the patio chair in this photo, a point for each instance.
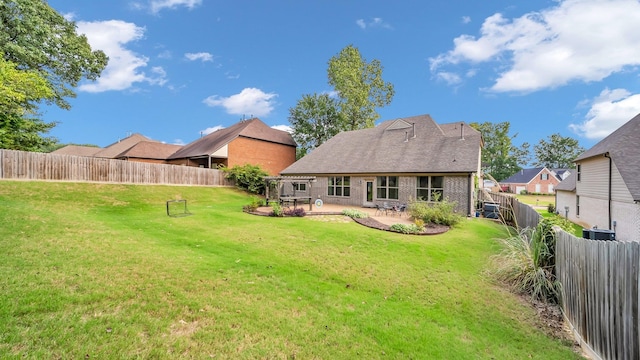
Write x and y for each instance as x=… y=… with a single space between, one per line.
x=380 y=210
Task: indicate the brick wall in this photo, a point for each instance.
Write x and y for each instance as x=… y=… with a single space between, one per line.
x=272 y=157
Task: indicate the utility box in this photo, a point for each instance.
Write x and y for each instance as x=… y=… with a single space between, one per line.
x=491 y=211
x=599 y=234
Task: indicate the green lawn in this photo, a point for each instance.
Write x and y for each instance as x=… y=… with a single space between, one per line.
x=100 y=271
x=537 y=200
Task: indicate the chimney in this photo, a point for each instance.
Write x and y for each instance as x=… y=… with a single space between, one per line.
x=413 y=125
x=461 y=131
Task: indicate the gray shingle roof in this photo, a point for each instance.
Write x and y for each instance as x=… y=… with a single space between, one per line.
x=623 y=145
x=568 y=184
x=253 y=128
x=523 y=176
x=391 y=148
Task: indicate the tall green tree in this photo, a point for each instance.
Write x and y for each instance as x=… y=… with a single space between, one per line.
x=558 y=152
x=360 y=87
x=500 y=158
x=314 y=120
x=20 y=92
x=36 y=37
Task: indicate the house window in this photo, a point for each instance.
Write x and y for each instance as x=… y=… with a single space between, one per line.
x=577 y=205
x=578 y=171
x=299 y=187
x=544 y=176
x=387 y=187
x=339 y=186
x=430 y=188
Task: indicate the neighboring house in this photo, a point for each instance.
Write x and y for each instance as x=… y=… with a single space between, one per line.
x=246 y=142
x=397 y=161
x=77 y=150
x=149 y=152
x=537 y=180
x=109 y=152
x=607 y=185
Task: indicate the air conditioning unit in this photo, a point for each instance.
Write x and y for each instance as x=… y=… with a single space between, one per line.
x=491 y=211
x=599 y=234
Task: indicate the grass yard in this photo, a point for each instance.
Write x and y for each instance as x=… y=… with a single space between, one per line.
x=537 y=200
x=100 y=271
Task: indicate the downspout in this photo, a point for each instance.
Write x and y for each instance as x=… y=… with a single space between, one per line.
x=471 y=202
x=610 y=177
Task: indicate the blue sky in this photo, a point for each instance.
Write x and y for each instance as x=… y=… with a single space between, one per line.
x=182 y=68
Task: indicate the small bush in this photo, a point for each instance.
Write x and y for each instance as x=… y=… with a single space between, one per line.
x=419 y=223
x=406 y=229
x=435 y=213
x=551 y=208
x=254 y=205
x=355 y=214
x=299 y=212
x=276 y=210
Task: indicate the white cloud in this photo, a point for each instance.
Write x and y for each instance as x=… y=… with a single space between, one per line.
x=202 y=56
x=178 y=142
x=610 y=110
x=250 y=101
x=157 y=5
x=577 y=40
x=124 y=67
x=209 y=130
x=373 y=23
x=466 y=19
x=449 y=77
x=286 y=128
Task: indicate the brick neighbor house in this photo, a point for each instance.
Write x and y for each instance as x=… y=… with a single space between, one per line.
x=246 y=142
x=534 y=181
x=397 y=161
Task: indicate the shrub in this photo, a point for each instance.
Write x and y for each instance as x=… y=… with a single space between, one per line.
x=299 y=212
x=253 y=205
x=406 y=229
x=247 y=177
x=419 y=223
x=276 y=209
x=355 y=214
x=435 y=212
x=551 y=208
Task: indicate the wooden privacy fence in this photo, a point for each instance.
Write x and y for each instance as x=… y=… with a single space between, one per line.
x=600 y=293
x=21 y=165
x=512 y=211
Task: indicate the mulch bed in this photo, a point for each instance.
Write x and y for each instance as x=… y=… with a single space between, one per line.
x=431 y=229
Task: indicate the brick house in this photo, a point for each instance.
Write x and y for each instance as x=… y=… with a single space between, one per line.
x=246 y=142
x=396 y=162
x=534 y=181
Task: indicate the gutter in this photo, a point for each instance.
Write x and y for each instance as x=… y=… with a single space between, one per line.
x=610 y=185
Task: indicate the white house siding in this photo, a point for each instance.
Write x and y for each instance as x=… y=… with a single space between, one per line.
x=627 y=218
x=567 y=198
x=594 y=178
x=593 y=189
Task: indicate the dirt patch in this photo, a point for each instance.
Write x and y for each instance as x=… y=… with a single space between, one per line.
x=432 y=229
x=551 y=321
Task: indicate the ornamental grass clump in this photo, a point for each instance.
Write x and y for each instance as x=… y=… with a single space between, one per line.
x=406 y=228
x=528 y=261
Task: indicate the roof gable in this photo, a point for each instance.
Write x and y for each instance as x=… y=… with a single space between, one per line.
x=624 y=150
x=253 y=128
x=391 y=148
x=149 y=150
x=77 y=150
x=525 y=176
x=120 y=146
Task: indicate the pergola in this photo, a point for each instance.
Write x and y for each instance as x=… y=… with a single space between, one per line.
x=289 y=189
